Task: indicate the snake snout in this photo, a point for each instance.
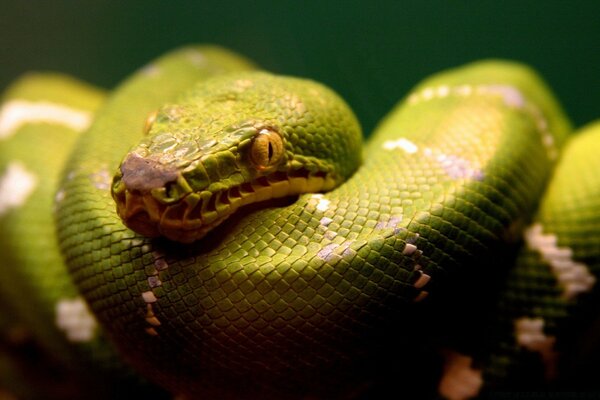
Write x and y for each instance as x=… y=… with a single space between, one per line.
x=142 y=188
x=145 y=174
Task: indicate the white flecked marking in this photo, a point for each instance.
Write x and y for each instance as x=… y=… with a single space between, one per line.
x=75 y=319
x=149 y=297
x=458 y=167
x=326 y=253
x=16 y=185
x=334 y=251
x=322 y=202
x=325 y=221
x=16 y=113
x=393 y=222
x=464 y=90
x=161 y=264
x=511 y=96
x=330 y=235
x=154 y=281
x=59 y=196
x=455 y=167
x=529 y=333
x=401 y=143
x=150 y=317
x=442 y=91
x=574 y=277
x=409 y=249
x=459 y=380
x=422 y=281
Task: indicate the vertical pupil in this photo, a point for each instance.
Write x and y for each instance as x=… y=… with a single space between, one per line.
x=270 y=151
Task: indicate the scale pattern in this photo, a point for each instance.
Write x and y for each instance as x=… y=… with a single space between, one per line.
x=296 y=298
x=548 y=292
x=49 y=110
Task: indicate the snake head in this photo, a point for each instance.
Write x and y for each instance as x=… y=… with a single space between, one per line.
x=233 y=141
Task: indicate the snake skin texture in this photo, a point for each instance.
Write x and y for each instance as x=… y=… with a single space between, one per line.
x=53 y=318
x=434 y=243
x=547 y=303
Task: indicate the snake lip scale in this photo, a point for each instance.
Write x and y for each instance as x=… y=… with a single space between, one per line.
x=195 y=214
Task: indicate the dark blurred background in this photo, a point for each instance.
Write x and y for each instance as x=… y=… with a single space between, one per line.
x=372 y=52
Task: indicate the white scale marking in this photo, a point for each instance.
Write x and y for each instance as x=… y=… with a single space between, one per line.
x=455 y=167
x=16 y=185
x=392 y=223
x=325 y=221
x=573 y=276
x=322 y=202
x=401 y=143
x=75 y=319
x=59 y=196
x=409 y=249
x=459 y=380
x=334 y=251
x=512 y=97
x=423 y=280
x=529 y=333
x=148 y=296
x=330 y=235
x=16 y=113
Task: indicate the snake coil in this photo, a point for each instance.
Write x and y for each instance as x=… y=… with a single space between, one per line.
x=323 y=295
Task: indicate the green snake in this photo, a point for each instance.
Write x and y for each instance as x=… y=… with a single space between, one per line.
x=233 y=239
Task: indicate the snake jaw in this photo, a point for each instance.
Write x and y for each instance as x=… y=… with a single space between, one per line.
x=177 y=212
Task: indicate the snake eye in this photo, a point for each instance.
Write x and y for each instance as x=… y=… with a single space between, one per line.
x=267 y=149
x=149 y=121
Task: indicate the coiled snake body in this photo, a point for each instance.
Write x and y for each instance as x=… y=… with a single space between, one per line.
x=280 y=293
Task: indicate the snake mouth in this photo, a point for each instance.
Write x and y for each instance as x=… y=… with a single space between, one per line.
x=195 y=214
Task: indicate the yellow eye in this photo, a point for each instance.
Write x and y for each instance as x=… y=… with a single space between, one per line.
x=149 y=121
x=267 y=149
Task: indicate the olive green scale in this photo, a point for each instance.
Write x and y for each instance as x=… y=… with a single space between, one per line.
x=35 y=283
x=287 y=299
x=560 y=296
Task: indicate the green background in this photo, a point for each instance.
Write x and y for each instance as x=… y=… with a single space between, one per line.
x=372 y=52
